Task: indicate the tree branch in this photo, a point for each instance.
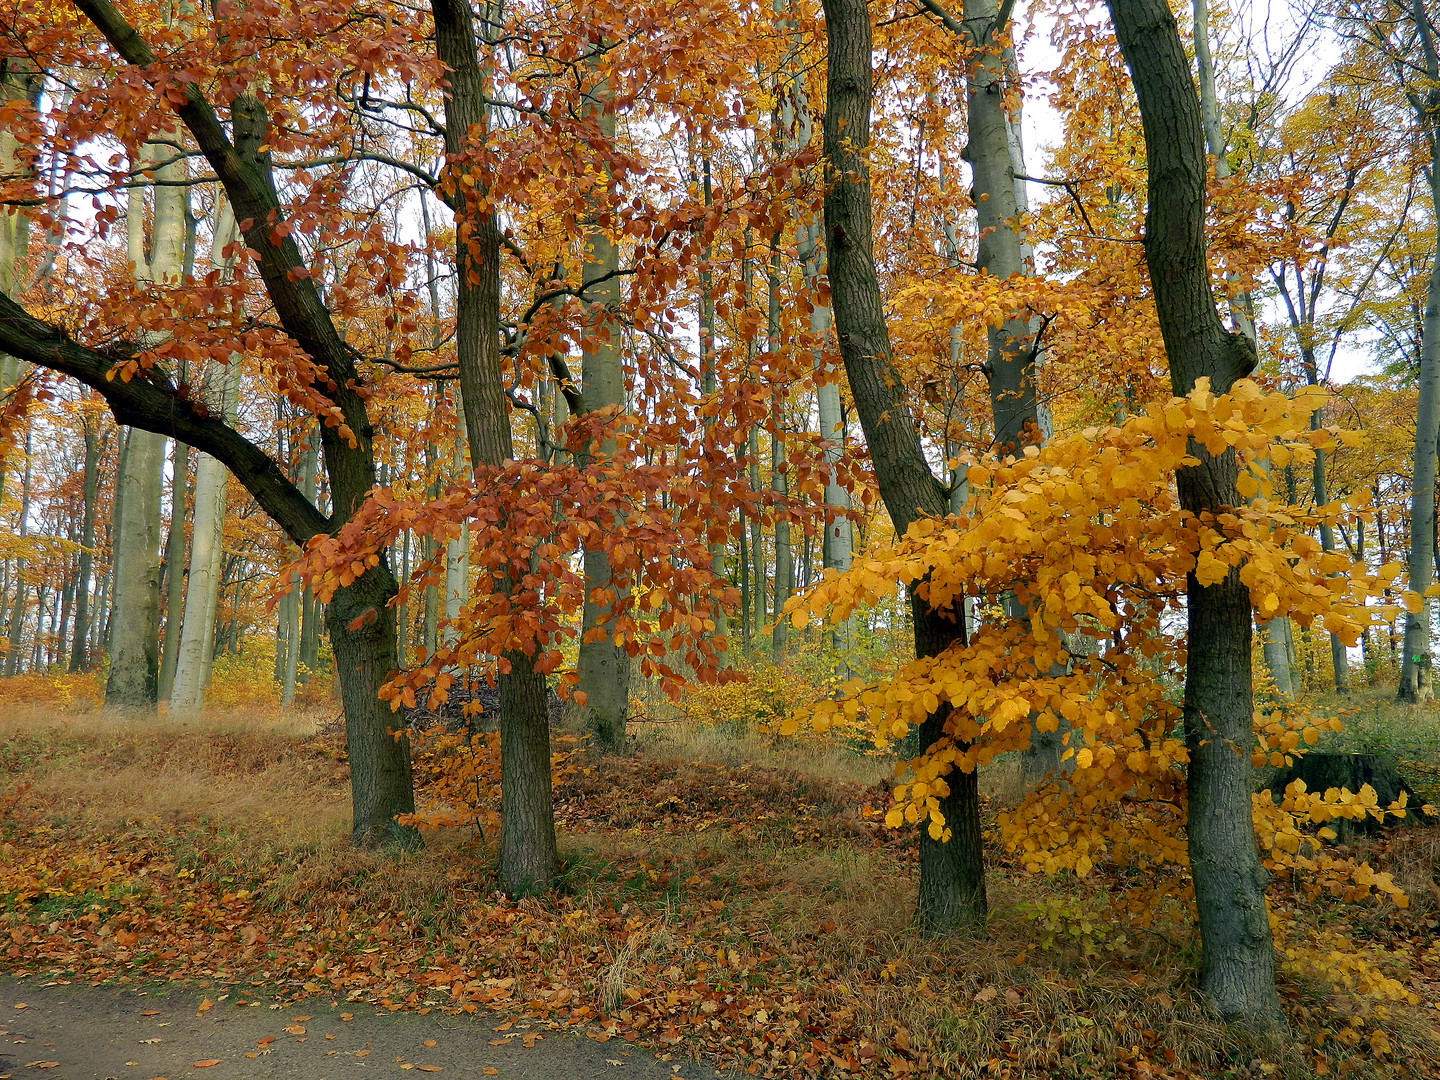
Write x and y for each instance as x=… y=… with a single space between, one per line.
x=151 y=403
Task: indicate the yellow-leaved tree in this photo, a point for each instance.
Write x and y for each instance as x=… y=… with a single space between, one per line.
x=1089 y=532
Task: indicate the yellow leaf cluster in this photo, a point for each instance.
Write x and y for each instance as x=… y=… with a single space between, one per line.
x=1088 y=537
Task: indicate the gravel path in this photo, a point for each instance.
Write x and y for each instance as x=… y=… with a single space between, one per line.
x=80 y=1032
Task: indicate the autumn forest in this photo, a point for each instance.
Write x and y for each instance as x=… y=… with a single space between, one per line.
x=844 y=539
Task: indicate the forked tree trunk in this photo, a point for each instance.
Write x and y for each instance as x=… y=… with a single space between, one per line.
x=952 y=893
x=1237 y=970
x=528 y=857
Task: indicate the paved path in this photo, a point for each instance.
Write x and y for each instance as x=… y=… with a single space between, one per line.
x=79 y=1032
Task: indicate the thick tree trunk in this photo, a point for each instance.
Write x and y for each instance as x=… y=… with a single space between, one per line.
x=1237 y=972
x=952 y=896
x=135 y=625
x=528 y=857
x=135 y=608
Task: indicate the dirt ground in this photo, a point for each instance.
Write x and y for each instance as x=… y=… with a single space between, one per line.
x=50 y=1031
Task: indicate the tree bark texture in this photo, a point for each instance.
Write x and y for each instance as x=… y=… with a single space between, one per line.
x=952 y=896
x=1237 y=971
x=528 y=857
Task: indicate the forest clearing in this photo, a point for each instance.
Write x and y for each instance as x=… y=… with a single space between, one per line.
x=825 y=538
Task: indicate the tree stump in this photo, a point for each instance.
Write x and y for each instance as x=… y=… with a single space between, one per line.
x=1322 y=771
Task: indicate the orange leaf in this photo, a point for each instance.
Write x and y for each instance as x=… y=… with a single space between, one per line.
x=204 y=1064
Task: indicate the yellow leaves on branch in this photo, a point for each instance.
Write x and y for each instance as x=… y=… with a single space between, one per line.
x=1087 y=534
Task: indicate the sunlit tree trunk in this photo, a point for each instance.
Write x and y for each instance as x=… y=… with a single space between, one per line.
x=221 y=392
x=135 y=618
x=457 y=549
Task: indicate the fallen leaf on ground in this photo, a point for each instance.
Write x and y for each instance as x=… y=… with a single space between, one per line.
x=361 y=1053
x=151 y=1012
x=266 y=1041
x=302 y=1019
x=205 y=1006
x=295 y=1029
x=491 y=1072
x=204 y=1064
x=22 y=1005
x=41 y=1064
x=428 y=1042
x=431 y=1068
x=347 y=1016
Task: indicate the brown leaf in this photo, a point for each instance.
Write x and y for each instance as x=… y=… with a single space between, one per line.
x=431 y=1068
x=204 y=1064
x=987 y=993
x=205 y=1006
x=151 y=1012
x=295 y=1029
x=41 y=1064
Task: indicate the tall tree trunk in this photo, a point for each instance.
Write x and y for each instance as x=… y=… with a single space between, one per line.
x=135 y=623
x=20 y=82
x=1415 y=670
x=604 y=665
x=221 y=394
x=16 y=628
x=457 y=550
x=528 y=856
x=89 y=494
x=709 y=385
x=1237 y=970
x=174 y=572
x=952 y=890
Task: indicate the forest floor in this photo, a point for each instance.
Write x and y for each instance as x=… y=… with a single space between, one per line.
x=726 y=903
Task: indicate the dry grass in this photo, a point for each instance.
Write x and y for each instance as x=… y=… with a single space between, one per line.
x=765 y=841
x=118 y=770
